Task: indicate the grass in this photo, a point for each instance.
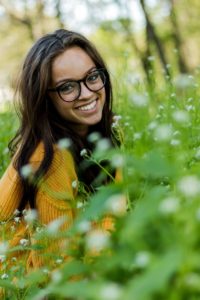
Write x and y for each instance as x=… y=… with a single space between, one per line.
x=154 y=251
x=8 y=125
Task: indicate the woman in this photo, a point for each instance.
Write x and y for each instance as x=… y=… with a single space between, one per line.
x=65 y=93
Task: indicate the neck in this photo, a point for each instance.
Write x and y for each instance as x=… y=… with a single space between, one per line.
x=81 y=130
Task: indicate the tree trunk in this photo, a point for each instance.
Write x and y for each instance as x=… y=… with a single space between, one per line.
x=153 y=37
x=59 y=13
x=177 y=39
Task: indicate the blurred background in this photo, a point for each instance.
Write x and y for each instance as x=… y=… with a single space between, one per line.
x=138 y=38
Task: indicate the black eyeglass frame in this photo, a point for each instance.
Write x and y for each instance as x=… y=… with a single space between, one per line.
x=57 y=89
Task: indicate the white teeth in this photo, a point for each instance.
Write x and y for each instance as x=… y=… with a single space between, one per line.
x=89 y=106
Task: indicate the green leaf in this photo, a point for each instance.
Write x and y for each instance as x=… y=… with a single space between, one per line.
x=157 y=277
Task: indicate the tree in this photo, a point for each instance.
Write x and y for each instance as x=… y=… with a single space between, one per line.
x=176 y=36
x=32 y=15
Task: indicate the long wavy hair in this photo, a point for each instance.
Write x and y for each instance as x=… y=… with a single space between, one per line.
x=39 y=120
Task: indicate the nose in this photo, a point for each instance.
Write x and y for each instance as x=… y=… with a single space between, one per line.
x=85 y=92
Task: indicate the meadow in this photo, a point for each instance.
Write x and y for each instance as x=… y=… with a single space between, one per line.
x=153 y=253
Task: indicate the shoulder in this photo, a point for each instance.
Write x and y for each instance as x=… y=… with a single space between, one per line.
x=58 y=153
x=62 y=158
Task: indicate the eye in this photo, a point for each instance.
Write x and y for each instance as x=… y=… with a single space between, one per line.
x=93 y=77
x=67 y=87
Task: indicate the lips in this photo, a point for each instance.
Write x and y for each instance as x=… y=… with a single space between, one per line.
x=88 y=107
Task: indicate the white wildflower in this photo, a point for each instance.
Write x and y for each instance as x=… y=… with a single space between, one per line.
x=161 y=107
x=39 y=229
x=116 y=204
x=183 y=81
x=6 y=150
x=190 y=107
x=169 y=205
x=59 y=261
x=74 y=184
x=151 y=58
x=111 y=291
x=83 y=152
x=139 y=100
x=64 y=143
x=84 y=226
x=94 y=137
x=4 y=276
x=117 y=160
x=3 y=248
x=45 y=271
x=12 y=227
x=16 y=212
x=158 y=116
x=14 y=259
x=175 y=142
x=24 y=211
x=31 y=215
x=97 y=240
x=137 y=136
x=173 y=95
x=142 y=259
x=181 y=116
x=117 y=118
x=56 y=276
x=163 y=132
x=24 y=242
x=17 y=219
x=114 y=125
x=79 y=204
x=54 y=226
x=189 y=186
x=26 y=171
x=103 y=145
x=177 y=132
x=2 y=258
x=152 y=125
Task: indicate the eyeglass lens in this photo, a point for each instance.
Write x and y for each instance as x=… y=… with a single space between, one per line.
x=71 y=90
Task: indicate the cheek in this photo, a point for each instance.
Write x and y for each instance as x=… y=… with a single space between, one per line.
x=61 y=106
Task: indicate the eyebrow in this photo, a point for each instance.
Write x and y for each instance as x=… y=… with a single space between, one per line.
x=57 y=84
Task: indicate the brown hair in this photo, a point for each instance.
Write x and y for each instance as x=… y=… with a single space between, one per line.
x=39 y=120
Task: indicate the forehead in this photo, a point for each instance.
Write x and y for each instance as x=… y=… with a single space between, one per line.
x=73 y=63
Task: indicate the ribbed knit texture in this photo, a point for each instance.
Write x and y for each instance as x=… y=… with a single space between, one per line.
x=56 y=197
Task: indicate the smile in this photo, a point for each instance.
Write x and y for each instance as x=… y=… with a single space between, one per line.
x=89 y=106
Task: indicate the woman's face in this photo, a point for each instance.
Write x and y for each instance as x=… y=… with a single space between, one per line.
x=75 y=64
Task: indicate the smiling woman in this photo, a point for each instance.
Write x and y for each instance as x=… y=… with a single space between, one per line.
x=65 y=96
x=83 y=100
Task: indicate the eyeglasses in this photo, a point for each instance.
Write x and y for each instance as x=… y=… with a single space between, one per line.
x=71 y=90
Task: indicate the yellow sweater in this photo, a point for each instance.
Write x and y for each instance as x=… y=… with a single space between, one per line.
x=56 y=197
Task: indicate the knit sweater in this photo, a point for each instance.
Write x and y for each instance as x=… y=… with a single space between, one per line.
x=56 y=197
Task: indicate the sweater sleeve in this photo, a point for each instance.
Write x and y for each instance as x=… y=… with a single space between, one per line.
x=56 y=195
x=10 y=193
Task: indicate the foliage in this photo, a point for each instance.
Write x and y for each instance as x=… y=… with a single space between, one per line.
x=8 y=125
x=153 y=252
x=124 y=30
